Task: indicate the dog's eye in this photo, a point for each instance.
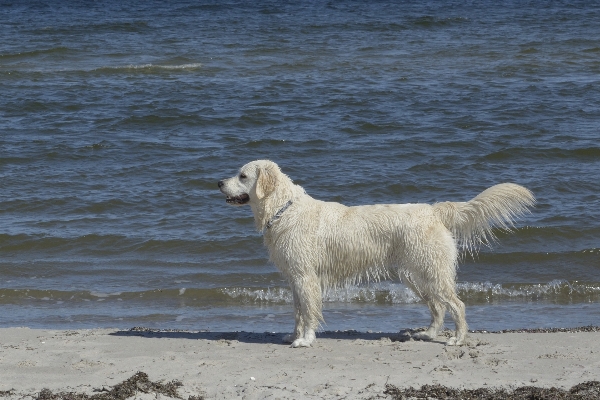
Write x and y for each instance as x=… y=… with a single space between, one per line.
x=243 y=176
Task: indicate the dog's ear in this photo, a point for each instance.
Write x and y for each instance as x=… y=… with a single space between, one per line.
x=267 y=179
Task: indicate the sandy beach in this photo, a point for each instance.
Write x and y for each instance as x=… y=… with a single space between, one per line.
x=232 y=365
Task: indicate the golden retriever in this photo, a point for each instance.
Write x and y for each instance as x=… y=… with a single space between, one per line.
x=320 y=245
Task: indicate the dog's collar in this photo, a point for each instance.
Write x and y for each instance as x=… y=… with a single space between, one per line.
x=278 y=214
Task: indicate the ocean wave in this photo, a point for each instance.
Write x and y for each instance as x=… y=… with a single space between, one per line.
x=558 y=291
x=583 y=154
x=471 y=292
x=96 y=28
x=97 y=244
x=116 y=244
x=347 y=295
x=154 y=296
x=104 y=295
x=60 y=50
x=44 y=71
x=150 y=67
x=428 y=21
x=569 y=232
x=269 y=295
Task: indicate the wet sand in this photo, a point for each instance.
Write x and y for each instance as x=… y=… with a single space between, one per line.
x=232 y=365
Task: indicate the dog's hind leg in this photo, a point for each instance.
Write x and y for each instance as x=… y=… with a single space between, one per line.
x=457 y=310
x=438 y=310
x=431 y=273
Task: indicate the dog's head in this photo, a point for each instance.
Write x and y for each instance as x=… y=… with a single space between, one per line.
x=254 y=181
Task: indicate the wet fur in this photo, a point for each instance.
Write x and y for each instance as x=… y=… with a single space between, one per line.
x=321 y=245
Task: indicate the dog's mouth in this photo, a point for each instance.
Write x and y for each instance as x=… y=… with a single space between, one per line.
x=241 y=199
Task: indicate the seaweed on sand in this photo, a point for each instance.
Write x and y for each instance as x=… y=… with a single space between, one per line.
x=128 y=388
x=587 y=390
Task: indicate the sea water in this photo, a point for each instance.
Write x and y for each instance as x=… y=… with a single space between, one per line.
x=117 y=119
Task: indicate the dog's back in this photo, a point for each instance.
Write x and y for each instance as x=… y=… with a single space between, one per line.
x=373 y=242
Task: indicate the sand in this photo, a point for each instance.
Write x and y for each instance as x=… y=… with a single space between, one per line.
x=241 y=365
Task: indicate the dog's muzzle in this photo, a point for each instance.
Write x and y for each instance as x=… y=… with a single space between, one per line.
x=241 y=199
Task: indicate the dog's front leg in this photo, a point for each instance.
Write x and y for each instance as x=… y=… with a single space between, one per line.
x=299 y=322
x=307 y=290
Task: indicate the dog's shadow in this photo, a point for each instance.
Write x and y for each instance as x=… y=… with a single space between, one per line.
x=404 y=335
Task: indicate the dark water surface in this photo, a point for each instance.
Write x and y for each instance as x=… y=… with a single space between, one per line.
x=118 y=118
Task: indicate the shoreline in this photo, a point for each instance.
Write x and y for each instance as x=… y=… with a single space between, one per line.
x=341 y=364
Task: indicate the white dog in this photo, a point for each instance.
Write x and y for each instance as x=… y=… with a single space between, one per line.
x=321 y=245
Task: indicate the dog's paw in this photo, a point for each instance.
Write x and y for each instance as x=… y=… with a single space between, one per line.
x=289 y=338
x=301 y=343
x=454 y=341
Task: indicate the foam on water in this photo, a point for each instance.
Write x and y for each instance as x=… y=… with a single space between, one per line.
x=376 y=293
x=558 y=290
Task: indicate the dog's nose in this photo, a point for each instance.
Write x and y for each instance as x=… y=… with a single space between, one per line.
x=220 y=184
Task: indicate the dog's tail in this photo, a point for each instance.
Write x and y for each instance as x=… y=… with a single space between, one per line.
x=472 y=222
